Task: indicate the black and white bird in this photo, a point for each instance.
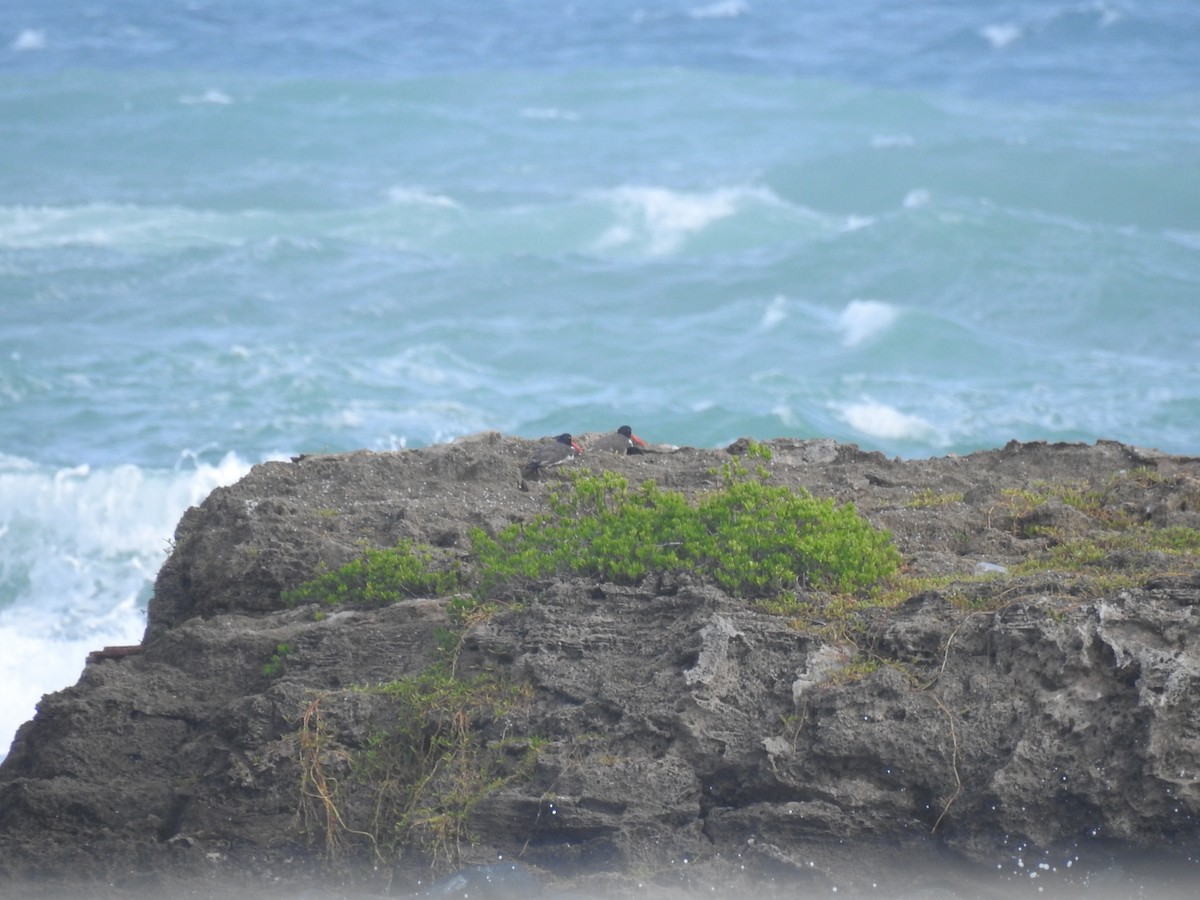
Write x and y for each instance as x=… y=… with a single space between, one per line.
x=553 y=453
x=623 y=440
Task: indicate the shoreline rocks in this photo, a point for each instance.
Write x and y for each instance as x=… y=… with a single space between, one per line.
x=666 y=734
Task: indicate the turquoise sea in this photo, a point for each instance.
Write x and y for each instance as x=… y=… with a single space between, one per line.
x=239 y=231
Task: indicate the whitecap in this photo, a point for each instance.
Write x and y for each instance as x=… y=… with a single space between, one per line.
x=616 y=236
x=29 y=39
x=114 y=225
x=882 y=421
x=723 y=9
x=1189 y=239
x=885 y=141
x=775 y=313
x=1001 y=35
x=415 y=196
x=350 y=417
x=662 y=219
x=211 y=96
x=1108 y=15
x=916 y=198
x=433 y=365
x=864 y=319
x=549 y=113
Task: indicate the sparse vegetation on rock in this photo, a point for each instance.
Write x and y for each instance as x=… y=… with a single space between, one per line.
x=406 y=793
x=429 y=766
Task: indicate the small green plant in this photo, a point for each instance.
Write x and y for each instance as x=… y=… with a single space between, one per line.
x=380 y=577
x=857 y=669
x=1099 y=550
x=928 y=497
x=277 y=664
x=1176 y=539
x=1095 y=503
x=755 y=450
x=787 y=606
x=1074 y=555
x=1145 y=476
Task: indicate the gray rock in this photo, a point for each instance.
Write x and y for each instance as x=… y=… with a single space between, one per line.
x=684 y=736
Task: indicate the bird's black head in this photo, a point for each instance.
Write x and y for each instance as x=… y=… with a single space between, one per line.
x=625 y=430
x=565 y=438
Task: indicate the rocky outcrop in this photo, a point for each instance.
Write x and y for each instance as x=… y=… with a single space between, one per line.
x=1001 y=718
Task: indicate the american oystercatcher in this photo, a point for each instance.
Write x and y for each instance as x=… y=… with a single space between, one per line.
x=553 y=453
x=623 y=440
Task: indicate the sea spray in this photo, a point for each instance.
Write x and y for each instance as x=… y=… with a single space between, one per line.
x=79 y=550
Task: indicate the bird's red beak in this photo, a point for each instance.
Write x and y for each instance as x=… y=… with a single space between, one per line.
x=637 y=440
x=578 y=449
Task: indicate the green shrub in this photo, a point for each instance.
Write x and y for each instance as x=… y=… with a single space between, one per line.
x=380 y=577
x=752 y=538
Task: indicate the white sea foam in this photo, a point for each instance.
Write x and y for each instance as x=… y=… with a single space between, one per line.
x=212 y=96
x=1001 y=35
x=658 y=220
x=415 y=196
x=878 y=420
x=1189 y=239
x=885 y=141
x=662 y=219
x=723 y=9
x=1108 y=15
x=775 y=313
x=433 y=365
x=29 y=39
x=81 y=547
x=549 y=113
x=862 y=320
x=916 y=198
x=160 y=228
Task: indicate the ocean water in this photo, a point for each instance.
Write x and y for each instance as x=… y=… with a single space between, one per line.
x=231 y=232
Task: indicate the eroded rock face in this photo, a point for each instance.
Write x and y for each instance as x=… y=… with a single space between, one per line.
x=664 y=725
